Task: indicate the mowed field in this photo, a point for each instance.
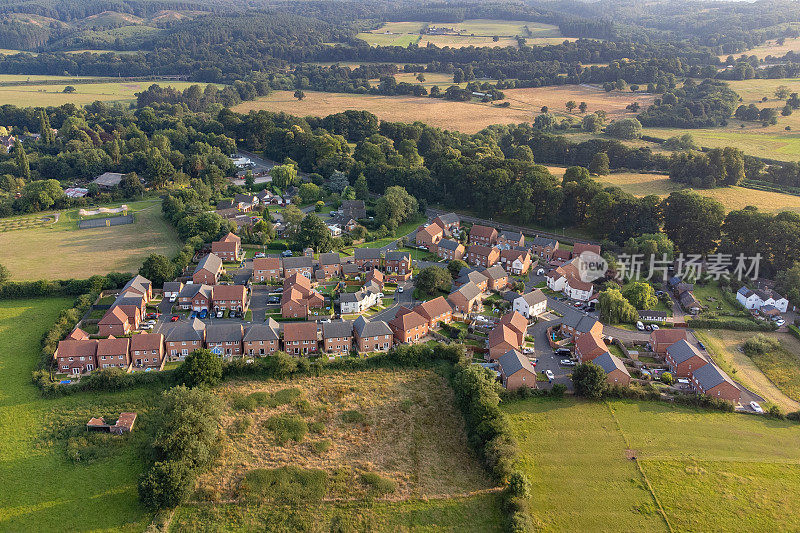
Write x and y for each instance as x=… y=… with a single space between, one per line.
x=37 y=93
x=466 y=117
x=337 y=430
x=61 y=250
x=771 y=48
x=474 y=32
x=708 y=471
x=41 y=489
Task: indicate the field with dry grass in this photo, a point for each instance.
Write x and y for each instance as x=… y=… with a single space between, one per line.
x=401 y=426
x=466 y=117
x=771 y=48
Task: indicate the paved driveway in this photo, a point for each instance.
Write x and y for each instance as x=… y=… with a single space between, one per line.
x=548 y=360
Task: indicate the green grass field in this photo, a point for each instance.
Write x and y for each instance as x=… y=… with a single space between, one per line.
x=41 y=489
x=709 y=471
x=60 y=250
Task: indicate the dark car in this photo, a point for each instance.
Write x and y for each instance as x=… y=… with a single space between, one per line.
x=286 y=253
x=193 y=315
x=203 y=313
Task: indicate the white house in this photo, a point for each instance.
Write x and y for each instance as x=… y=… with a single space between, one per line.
x=760 y=297
x=531 y=304
x=336 y=231
x=359 y=301
x=577 y=289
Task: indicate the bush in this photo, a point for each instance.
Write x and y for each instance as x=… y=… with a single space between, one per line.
x=354 y=417
x=287 y=427
x=736 y=325
x=321 y=446
x=378 y=484
x=166 y=484
x=200 y=368
x=558 y=390
x=667 y=378
x=589 y=380
x=759 y=345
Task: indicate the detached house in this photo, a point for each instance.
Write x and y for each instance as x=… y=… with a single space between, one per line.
x=266 y=269
x=208 y=270
x=661 y=339
x=372 y=335
x=544 y=247
x=147 y=351
x=449 y=222
x=516 y=371
x=578 y=248
x=331 y=265
x=139 y=286
x=466 y=299
x=261 y=339
x=337 y=337
x=185 y=338
x=76 y=356
x=497 y=276
x=575 y=324
x=590 y=346
x=531 y=304
x=397 y=266
x=713 y=382
x=501 y=339
x=224 y=340
x=195 y=297
x=375 y=277
x=517 y=323
x=298 y=297
x=510 y=239
x=429 y=236
x=229 y=298
x=113 y=352
x=683 y=359
x=300 y=338
x=469 y=275
x=616 y=373
x=114 y=322
x=450 y=250
x=436 y=311
x=566 y=279
x=229 y=248
x=482 y=235
x=408 y=326
x=303 y=265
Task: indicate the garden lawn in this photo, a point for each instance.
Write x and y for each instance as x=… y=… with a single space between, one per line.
x=41 y=489
x=709 y=471
x=60 y=250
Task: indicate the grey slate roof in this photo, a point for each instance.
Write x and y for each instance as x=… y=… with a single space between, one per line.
x=448 y=244
x=350 y=268
x=472 y=276
x=139 y=283
x=534 y=297
x=511 y=235
x=449 y=218
x=543 y=242
x=224 y=333
x=682 y=351
x=354 y=209
x=267 y=331
x=709 y=376
x=371 y=328
x=211 y=262
x=578 y=321
x=190 y=291
x=495 y=272
x=331 y=330
x=744 y=291
x=128 y=300
x=349 y=297
x=331 y=258
x=367 y=253
x=610 y=362
x=398 y=256
x=302 y=261
x=173 y=286
x=186 y=331
x=513 y=361
x=470 y=291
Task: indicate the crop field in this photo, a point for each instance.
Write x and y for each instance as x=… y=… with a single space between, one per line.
x=379 y=38
x=43 y=489
x=85 y=93
x=706 y=470
x=462 y=41
x=774 y=376
x=466 y=117
x=346 y=437
x=61 y=250
x=772 y=48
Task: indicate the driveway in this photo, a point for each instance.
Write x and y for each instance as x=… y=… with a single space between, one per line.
x=548 y=360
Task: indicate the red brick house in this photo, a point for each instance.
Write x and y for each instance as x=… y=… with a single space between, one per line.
x=367 y=258
x=229 y=248
x=337 y=337
x=298 y=297
x=544 y=247
x=266 y=269
x=501 y=339
x=147 y=351
x=429 y=236
x=683 y=359
x=578 y=248
x=713 y=382
x=184 y=338
x=661 y=339
x=590 y=346
x=261 y=339
x=300 y=338
x=483 y=256
x=515 y=261
x=616 y=373
x=435 y=311
x=397 y=266
x=115 y=322
x=229 y=297
x=208 y=270
x=139 y=285
x=195 y=297
x=466 y=299
x=76 y=356
x=510 y=239
x=497 y=277
x=374 y=276
x=225 y=339
x=449 y=222
x=517 y=322
x=372 y=335
x=331 y=265
x=113 y=352
x=450 y=250
x=408 y=326
x=303 y=265
x=516 y=371
x=482 y=235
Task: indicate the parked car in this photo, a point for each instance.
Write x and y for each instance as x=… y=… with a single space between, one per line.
x=174 y=318
x=648 y=327
x=563 y=351
x=655 y=327
x=399 y=289
x=259 y=255
x=539 y=272
x=755 y=407
x=780 y=322
x=640 y=326
x=146 y=326
x=567 y=362
x=527 y=351
x=203 y=314
x=193 y=315
x=220 y=313
x=286 y=253
x=701 y=345
x=550 y=375
x=173 y=298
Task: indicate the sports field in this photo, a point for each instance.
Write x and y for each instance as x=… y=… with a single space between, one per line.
x=61 y=250
x=694 y=470
x=42 y=489
x=466 y=117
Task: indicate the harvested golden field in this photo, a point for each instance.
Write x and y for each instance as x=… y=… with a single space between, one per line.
x=466 y=117
x=771 y=48
x=399 y=427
